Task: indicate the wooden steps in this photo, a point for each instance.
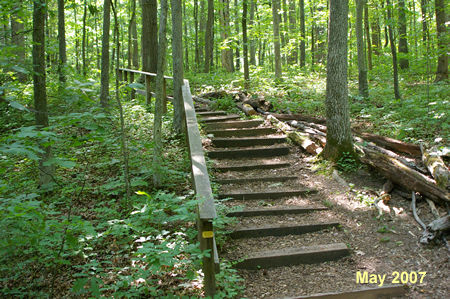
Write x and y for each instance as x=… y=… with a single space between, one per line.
x=249 y=152
x=233 y=124
x=265 y=194
x=283 y=230
x=252 y=166
x=210 y=113
x=219 y=118
x=294 y=256
x=256 y=179
x=247 y=141
x=245 y=132
x=275 y=211
x=366 y=293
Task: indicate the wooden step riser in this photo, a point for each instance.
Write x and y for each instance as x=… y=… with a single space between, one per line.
x=213 y=119
x=199 y=109
x=246 y=142
x=249 y=153
x=238 y=124
x=265 y=195
x=251 y=167
x=313 y=255
x=243 y=132
x=210 y=113
x=281 y=231
x=252 y=180
x=274 y=212
x=389 y=291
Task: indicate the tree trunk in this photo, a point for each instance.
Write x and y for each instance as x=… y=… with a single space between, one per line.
x=252 y=40
x=202 y=33
x=149 y=35
x=39 y=86
x=276 y=38
x=367 y=30
x=363 y=86
x=61 y=42
x=403 y=41
x=236 y=22
x=245 y=41
x=303 y=34
x=177 y=54
x=442 y=63
x=226 y=52
x=293 y=57
x=339 y=138
x=18 y=37
x=394 y=53
x=186 y=38
x=83 y=41
x=425 y=35
x=283 y=26
x=376 y=35
x=159 y=106
x=313 y=29
x=104 y=77
x=196 y=49
x=209 y=38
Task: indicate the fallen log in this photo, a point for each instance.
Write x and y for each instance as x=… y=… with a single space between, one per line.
x=201 y=100
x=392 y=144
x=437 y=228
x=247 y=109
x=436 y=167
x=214 y=94
x=401 y=174
x=301 y=117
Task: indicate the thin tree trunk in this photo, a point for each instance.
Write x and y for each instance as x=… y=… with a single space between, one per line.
x=197 y=50
x=18 y=37
x=104 y=80
x=276 y=38
x=177 y=54
x=339 y=138
x=209 y=42
x=376 y=34
x=363 y=86
x=202 y=33
x=226 y=52
x=442 y=63
x=186 y=38
x=159 y=106
x=236 y=22
x=367 y=29
x=303 y=34
x=245 y=41
x=425 y=35
x=39 y=86
x=293 y=57
x=313 y=29
x=403 y=41
x=83 y=41
x=77 y=61
x=394 y=52
x=61 y=42
x=252 y=40
x=149 y=35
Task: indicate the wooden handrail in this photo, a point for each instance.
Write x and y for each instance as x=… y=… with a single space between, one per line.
x=206 y=208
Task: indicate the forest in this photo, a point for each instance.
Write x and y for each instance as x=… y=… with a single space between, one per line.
x=96 y=192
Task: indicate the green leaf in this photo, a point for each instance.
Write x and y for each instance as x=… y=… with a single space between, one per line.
x=18 y=106
x=79 y=285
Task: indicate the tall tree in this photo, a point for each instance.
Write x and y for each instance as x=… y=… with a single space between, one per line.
x=209 y=37
x=149 y=35
x=133 y=48
x=83 y=38
x=292 y=29
x=177 y=56
x=423 y=7
x=104 y=76
x=226 y=52
x=442 y=63
x=363 y=86
x=39 y=86
x=339 y=138
x=393 y=51
x=159 y=109
x=61 y=42
x=236 y=23
x=196 y=45
x=18 y=36
x=252 y=40
x=276 y=37
x=403 y=41
x=367 y=30
x=186 y=38
x=245 y=42
x=303 y=34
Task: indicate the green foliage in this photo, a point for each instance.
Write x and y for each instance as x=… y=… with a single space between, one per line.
x=227 y=104
x=347 y=163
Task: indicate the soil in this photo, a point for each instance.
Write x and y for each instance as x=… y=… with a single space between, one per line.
x=378 y=246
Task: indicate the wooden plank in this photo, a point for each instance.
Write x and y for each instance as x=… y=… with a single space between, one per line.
x=256 y=179
x=249 y=152
x=266 y=194
x=295 y=256
x=210 y=113
x=219 y=118
x=143 y=73
x=247 y=167
x=366 y=293
x=275 y=211
x=242 y=132
x=280 y=230
x=247 y=141
x=234 y=124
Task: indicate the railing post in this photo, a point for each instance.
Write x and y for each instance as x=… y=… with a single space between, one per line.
x=119 y=74
x=148 y=93
x=133 y=91
x=206 y=236
x=164 y=97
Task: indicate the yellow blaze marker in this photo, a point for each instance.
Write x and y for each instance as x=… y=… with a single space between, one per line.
x=207 y=234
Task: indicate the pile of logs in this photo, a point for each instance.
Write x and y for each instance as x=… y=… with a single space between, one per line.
x=407 y=165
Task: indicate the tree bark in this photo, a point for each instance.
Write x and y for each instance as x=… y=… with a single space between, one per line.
x=186 y=38
x=403 y=41
x=39 y=86
x=61 y=42
x=252 y=40
x=363 y=86
x=196 y=46
x=209 y=38
x=83 y=38
x=177 y=54
x=236 y=22
x=245 y=46
x=157 y=136
x=18 y=37
x=313 y=29
x=276 y=38
x=367 y=30
x=425 y=35
x=394 y=53
x=293 y=57
x=339 y=138
x=442 y=63
x=303 y=34
x=104 y=77
x=149 y=35
x=226 y=52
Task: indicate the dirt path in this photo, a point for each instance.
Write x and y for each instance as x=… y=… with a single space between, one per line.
x=374 y=248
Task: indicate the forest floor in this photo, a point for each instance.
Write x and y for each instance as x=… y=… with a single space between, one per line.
x=382 y=246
